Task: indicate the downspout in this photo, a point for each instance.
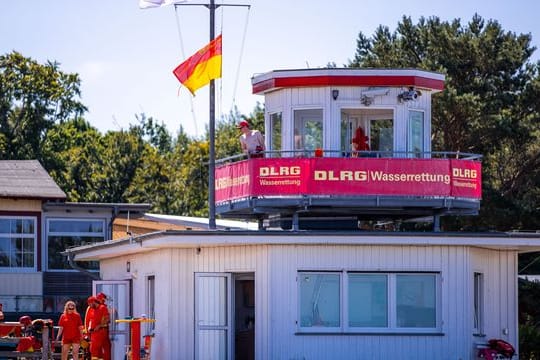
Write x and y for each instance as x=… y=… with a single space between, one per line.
x=80 y=269
x=114 y=214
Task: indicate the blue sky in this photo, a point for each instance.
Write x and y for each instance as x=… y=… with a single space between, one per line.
x=125 y=55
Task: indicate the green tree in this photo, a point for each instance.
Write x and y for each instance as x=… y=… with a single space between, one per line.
x=33 y=97
x=71 y=154
x=489 y=106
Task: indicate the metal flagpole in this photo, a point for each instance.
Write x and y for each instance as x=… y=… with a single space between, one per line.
x=211 y=129
x=212 y=121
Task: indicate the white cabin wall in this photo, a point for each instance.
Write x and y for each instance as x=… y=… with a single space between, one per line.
x=276 y=267
x=500 y=292
x=157 y=263
x=287 y=260
x=174 y=270
x=290 y=99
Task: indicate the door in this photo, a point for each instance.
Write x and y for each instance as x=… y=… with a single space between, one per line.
x=244 y=316
x=118 y=302
x=213 y=338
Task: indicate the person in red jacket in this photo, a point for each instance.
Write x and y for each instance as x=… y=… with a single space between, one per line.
x=107 y=341
x=96 y=329
x=70 y=332
x=359 y=141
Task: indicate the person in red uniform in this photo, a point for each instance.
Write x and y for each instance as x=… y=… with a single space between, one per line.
x=88 y=313
x=98 y=320
x=71 y=327
x=107 y=341
x=359 y=142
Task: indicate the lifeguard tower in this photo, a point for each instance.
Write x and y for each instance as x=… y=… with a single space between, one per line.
x=347 y=145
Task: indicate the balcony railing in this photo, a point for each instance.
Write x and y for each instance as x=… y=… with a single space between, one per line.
x=340 y=182
x=354 y=154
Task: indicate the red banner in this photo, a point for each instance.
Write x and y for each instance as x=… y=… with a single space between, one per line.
x=349 y=176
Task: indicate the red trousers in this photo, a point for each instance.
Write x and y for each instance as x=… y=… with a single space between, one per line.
x=107 y=346
x=97 y=341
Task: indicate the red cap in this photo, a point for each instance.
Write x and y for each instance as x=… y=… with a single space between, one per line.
x=25 y=320
x=241 y=124
x=101 y=296
x=91 y=299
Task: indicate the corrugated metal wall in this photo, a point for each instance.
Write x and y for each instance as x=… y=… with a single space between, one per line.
x=275 y=268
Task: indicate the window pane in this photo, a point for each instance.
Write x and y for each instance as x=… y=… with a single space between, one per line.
x=5 y=226
x=275 y=123
x=478 y=302
x=416 y=301
x=308 y=129
x=17 y=242
x=58 y=244
x=212 y=311
x=382 y=135
x=416 y=133
x=368 y=304
x=77 y=226
x=4 y=251
x=319 y=300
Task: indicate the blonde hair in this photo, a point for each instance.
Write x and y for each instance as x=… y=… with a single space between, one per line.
x=68 y=304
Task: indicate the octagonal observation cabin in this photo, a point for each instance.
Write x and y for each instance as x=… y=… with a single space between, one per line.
x=346 y=145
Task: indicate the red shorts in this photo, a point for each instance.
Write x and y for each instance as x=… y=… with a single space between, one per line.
x=73 y=340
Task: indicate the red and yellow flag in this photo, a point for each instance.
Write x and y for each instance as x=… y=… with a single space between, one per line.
x=200 y=68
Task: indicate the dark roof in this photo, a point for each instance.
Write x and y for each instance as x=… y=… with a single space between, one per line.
x=27 y=179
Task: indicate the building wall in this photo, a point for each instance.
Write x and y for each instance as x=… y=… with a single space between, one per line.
x=21 y=290
x=276 y=267
x=501 y=293
x=20 y=205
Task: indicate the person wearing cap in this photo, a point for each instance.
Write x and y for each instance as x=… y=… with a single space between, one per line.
x=89 y=313
x=101 y=297
x=95 y=328
x=251 y=141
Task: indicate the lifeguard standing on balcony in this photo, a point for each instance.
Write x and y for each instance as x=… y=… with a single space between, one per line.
x=252 y=141
x=359 y=141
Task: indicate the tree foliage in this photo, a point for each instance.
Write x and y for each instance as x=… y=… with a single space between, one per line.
x=489 y=105
x=33 y=97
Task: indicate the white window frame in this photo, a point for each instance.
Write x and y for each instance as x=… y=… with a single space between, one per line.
x=478 y=303
x=392 y=326
x=26 y=236
x=48 y=233
x=410 y=144
x=151 y=301
x=302 y=115
x=272 y=116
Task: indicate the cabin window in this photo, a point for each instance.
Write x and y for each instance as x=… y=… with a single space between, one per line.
x=416 y=301
x=65 y=233
x=17 y=242
x=308 y=129
x=416 y=134
x=319 y=300
x=478 y=303
x=369 y=302
x=275 y=132
x=382 y=136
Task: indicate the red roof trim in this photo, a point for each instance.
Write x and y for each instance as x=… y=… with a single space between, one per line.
x=327 y=80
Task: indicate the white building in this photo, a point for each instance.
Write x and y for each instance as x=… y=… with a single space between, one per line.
x=320 y=291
